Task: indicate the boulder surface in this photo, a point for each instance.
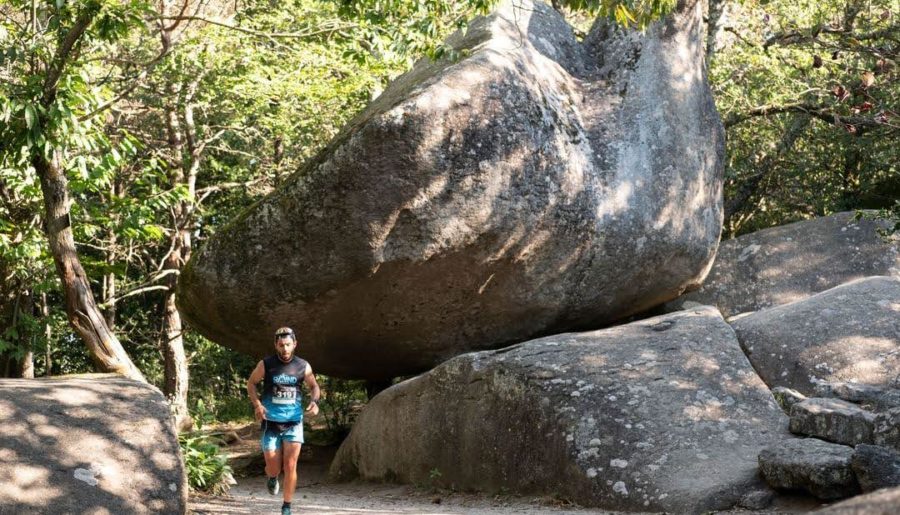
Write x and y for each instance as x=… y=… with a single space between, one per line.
x=536 y=185
x=794 y=261
x=88 y=444
x=664 y=414
x=876 y=467
x=834 y=420
x=881 y=502
x=850 y=333
x=818 y=467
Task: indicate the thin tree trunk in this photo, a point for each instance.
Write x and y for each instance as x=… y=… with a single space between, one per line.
x=109 y=278
x=48 y=332
x=176 y=365
x=715 y=9
x=82 y=311
x=26 y=307
x=177 y=378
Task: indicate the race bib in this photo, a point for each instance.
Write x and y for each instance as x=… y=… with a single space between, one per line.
x=284 y=394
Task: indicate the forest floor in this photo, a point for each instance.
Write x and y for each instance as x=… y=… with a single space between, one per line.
x=317 y=494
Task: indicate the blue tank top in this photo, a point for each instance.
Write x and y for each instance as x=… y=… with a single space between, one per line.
x=281 y=389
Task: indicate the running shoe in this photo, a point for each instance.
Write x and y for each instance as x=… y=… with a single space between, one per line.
x=273 y=486
x=285 y=510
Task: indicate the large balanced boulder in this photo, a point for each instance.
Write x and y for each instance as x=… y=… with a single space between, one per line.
x=93 y=444
x=850 y=333
x=792 y=262
x=535 y=185
x=664 y=414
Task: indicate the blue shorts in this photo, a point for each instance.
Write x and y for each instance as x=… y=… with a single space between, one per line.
x=272 y=438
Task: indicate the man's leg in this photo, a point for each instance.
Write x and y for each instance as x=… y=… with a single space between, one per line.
x=272 y=451
x=291 y=456
x=273 y=462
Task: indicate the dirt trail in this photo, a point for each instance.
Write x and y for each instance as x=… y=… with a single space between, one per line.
x=316 y=494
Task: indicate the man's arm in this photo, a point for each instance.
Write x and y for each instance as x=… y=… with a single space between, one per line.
x=315 y=392
x=258 y=374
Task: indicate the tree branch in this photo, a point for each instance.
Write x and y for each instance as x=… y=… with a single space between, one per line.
x=819 y=112
x=337 y=26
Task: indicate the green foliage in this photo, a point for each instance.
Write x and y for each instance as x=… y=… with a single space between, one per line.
x=206 y=466
x=341 y=401
x=218 y=381
x=809 y=92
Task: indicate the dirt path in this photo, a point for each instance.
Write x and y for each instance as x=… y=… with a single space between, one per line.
x=249 y=496
x=315 y=494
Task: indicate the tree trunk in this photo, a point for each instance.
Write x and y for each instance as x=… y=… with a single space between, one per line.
x=82 y=311
x=27 y=307
x=740 y=200
x=48 y=332
x=176 y=366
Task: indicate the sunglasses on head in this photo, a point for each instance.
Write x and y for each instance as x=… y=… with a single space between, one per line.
x=284 y=335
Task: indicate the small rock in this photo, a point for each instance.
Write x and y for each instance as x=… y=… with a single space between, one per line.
x=757 y=500
x=886 y=430
x=832 y=419
x=787 y=397
x=436 y=500
x=818 y=467
x=876 y=467
x=853 y=392
x=231 y=437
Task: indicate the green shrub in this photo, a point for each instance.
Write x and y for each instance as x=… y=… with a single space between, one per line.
x=207 y=468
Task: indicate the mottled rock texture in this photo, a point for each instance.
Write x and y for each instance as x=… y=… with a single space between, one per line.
x=792 y=262
x=882 y=502
x=536 y=185
x=818 y=467
x=878 y=398
x=787 y=397
x=848 y=333
x=664 y=414
x=876 y=467
x=92 y=444
x=887 y=429
x=834 y=420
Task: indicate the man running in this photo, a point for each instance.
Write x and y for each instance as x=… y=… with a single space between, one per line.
x=280 y=410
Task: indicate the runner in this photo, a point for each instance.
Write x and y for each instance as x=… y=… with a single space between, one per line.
x=280 y=411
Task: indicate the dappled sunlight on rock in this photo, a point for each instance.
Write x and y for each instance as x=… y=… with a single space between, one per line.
x=845 y=334
x=792 y=262
x=116 y=454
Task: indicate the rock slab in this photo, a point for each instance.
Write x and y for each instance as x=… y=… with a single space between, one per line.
x=792 y=262
x=876 y=467
x=882 y=502
x=850 y=333
x=664 y=414
x=94 y=444
x=834 y=420
x=818 y=467
x=887 y=429
x=537 y=185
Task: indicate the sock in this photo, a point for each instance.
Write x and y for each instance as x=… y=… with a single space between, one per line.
x=285 y=505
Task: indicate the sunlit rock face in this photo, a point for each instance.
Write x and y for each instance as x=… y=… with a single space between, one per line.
x=792 y=262
x=850 y=334
x=664 y=414
x=88 y=444
x=535 y=185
